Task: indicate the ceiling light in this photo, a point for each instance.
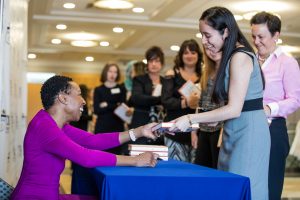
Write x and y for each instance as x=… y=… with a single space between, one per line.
x=81 y=36
x=55 y=41
x=104 y=44
x=269 y=6
x=113 y=4
x=138 y=10
x=38 y=77
x=118 y=30
x=199 y=35
x=83 y=43
x=31 y=56
x=61 y=27
x=279 y=41
x=69 y=5
x=89 y=59
x=175 y=48
x=290 y=49
x=238 y=17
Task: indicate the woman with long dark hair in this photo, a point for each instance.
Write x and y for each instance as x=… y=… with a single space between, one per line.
x=246 y=138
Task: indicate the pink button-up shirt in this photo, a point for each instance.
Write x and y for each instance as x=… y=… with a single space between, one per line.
x=282 y=89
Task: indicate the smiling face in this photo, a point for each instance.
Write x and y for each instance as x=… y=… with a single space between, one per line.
x=212 y=40
x=263 y=39
x=190 y=58
x=74 y=102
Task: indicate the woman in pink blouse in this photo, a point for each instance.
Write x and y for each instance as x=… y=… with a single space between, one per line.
x=281 y=95
x=50 y=140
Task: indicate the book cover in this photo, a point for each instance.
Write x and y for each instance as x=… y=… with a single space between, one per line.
x=141 y=147
x=189 y=88
x=163 y=127
x=121 y=110
x=163 y=158
x=160 y=153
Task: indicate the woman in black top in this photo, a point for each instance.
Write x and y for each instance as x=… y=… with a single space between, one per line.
x=107 y=98
x=187 y=67
x=146 y=93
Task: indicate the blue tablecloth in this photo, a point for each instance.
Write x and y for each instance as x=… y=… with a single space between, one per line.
x=170 y=180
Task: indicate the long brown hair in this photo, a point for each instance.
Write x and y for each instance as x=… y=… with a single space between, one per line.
x=208 y=69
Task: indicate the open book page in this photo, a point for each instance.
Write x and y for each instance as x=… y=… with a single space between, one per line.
x=189 y=88
x=121 y=110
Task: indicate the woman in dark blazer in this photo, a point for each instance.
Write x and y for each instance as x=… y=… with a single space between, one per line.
x=146 y=93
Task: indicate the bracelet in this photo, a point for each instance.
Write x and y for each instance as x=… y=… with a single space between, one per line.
x=131 y=135
x=189 y=118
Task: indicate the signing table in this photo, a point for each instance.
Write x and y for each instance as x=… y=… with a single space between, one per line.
x=170 y=180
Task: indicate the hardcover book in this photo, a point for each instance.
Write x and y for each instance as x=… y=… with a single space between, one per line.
x=142 y=147
x=189 y=88
x=163 y=127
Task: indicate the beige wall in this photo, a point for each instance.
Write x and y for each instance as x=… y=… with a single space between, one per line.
x=34 y=100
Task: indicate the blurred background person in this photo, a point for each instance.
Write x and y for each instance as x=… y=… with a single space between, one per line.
x=281 y=95
x=107 y=97
x=146 y=93
x=86 y=116
x=205 y=141
x=187 y=66
x=82 y=181
x=133 y=69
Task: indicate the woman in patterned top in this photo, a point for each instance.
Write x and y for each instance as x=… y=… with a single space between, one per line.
x=205 y=141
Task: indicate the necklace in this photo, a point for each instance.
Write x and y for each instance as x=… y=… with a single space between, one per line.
x=262 y=60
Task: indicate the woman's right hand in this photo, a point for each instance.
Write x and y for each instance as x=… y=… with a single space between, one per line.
x=193 y=100
x=130 y=111
x=147 y=159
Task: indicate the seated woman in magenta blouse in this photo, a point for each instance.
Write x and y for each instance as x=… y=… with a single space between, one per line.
x=50 y=140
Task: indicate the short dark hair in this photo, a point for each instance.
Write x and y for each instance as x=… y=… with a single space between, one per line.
x=272 y=21
x=155 y=52
x=103 y=76
x=52 y=87
x=192 y=45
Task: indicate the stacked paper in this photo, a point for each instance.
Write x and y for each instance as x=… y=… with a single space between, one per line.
x=137 y=149
x=121 y=110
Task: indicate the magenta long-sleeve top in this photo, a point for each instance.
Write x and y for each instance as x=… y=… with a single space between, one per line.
x=46 y=147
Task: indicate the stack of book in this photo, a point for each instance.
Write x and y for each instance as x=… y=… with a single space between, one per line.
x=137 y=149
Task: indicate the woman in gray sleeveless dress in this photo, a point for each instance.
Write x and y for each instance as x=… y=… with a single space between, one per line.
x=239 y=83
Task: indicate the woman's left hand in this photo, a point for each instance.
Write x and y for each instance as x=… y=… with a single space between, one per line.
x=181 y=123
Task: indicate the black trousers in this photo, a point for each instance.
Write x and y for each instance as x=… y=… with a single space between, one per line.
x=207 y=152
x=278 y=154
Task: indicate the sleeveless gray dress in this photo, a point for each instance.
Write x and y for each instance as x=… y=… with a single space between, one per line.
x=246 y=140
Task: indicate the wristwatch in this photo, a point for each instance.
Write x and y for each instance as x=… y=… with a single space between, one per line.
x=131 y=135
